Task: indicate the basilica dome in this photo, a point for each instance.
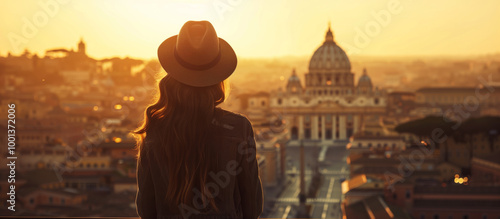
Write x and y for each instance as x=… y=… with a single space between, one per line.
x=329 y=57
x=364 y=80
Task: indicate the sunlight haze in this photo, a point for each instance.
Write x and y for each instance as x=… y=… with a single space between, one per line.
x=256 y=28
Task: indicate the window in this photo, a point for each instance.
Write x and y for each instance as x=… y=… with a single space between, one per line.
x=95 y=165
x=360 y=145
x=328 y=118
x=32 y=200
x=279 y=101
x=307 y=133
x=63 y=201
x=408 y=194
x=436 y=216
x=51 y=199
x=263 y=103
x=422 y=216
x=466 y=216
x=485 y=216
x=376 y=101
x=328 y=134
x=295 y=133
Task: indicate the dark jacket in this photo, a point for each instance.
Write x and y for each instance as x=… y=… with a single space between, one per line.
x=239 y=197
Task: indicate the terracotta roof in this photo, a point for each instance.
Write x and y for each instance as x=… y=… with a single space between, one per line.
x=402 y=93
x=448 y=89
x=125 y=144
x=456 y=204
x=374 y=170
x=374 y=207
x=458 y=190
x=492 y=158
x=371 y=161
x=42 y=176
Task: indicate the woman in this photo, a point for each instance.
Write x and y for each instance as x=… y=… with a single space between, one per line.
x=195 y=159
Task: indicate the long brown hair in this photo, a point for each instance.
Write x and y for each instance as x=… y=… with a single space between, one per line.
x=179 y=121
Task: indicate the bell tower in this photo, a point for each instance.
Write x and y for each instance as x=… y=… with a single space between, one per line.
x=81 y=47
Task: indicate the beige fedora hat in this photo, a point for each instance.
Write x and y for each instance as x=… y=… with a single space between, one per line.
x=197 y=57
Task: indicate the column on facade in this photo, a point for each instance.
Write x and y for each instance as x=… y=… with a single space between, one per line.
x=334 y=127
x=342 y=127
x=314 y=128
x=301 y=126
x=356 y=123
x=323 y=128
x=293 y=123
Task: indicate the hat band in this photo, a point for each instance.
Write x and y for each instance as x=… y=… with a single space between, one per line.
x=197 y=67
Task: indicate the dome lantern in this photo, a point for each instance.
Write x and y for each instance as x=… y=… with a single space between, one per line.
x=329 y=35
x=294 y=85
x=329 y=57
x=365 y=85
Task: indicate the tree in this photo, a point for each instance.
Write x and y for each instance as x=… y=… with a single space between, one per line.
x=424 y=128
x=487 y=125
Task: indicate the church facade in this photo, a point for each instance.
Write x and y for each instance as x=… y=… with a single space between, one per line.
x=329 y=107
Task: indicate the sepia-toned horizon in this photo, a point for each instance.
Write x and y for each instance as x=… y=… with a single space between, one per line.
x=256 y=29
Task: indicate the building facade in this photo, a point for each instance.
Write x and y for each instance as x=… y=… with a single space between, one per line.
x=329 y=108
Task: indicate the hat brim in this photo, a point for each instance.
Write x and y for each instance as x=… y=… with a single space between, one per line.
x=197 y=78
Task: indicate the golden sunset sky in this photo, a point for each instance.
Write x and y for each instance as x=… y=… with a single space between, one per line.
x=255 y=28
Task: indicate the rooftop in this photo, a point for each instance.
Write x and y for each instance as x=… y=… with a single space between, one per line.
x=456 y=204
x=374 y=207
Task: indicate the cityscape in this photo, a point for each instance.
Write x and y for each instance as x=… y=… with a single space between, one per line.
x=338 y=135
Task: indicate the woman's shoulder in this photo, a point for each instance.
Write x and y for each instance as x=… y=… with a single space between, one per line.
x=230 y=120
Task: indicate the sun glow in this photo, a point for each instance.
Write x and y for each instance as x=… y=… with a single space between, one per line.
x=256 y=28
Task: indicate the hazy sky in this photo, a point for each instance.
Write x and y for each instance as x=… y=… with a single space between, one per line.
x=255 y=28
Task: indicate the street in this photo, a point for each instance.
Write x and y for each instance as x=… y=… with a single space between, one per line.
x=327 y=202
